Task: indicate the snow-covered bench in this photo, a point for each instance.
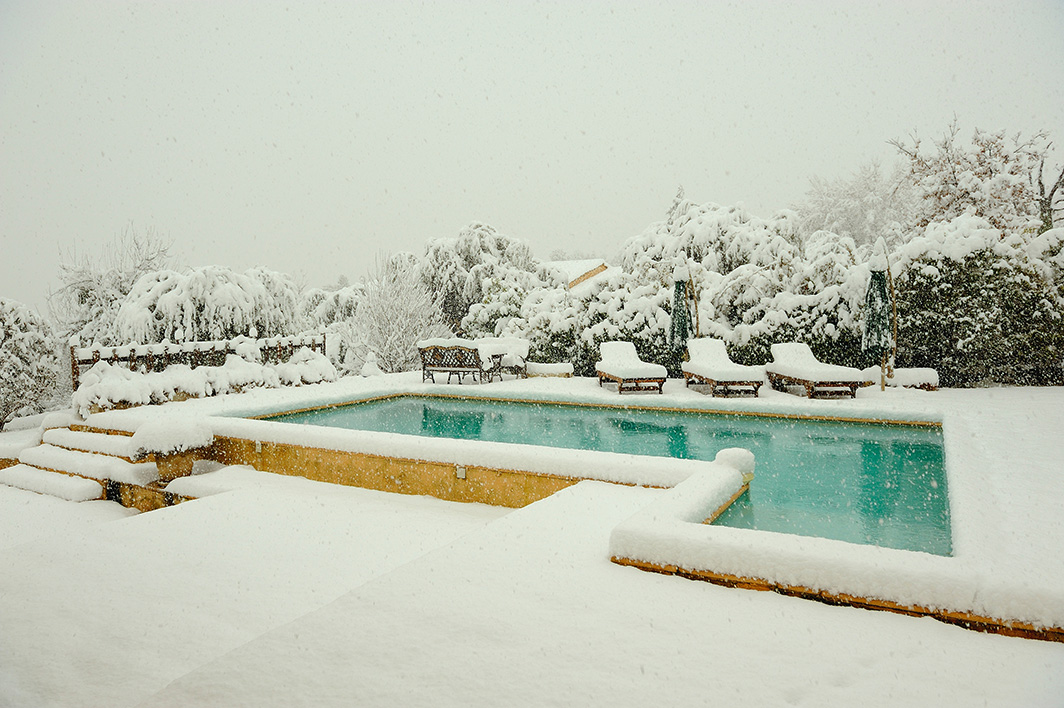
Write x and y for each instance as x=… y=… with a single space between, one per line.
x=710 y=365
x=793 y=363
x=484 y=358
x=454 y=357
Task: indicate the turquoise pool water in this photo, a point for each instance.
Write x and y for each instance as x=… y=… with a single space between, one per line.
x=865 y=483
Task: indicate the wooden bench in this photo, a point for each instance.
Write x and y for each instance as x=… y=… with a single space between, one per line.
x=453 y=360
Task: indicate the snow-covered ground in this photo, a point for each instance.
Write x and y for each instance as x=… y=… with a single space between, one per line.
x=281 y=591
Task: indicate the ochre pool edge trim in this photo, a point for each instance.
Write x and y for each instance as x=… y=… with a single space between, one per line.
x=960 y=618
x=450 y=481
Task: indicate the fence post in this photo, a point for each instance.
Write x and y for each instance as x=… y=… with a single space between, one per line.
x=75 y=372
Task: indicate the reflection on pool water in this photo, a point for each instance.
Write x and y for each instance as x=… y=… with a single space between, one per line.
x=865 y=483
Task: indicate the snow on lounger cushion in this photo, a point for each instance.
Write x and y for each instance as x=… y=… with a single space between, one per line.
x=796 y=360
x=710 y=360
x=620 y=359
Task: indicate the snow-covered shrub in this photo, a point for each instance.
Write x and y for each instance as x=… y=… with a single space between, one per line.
x=627 y=308
x=980 y=305
x=552 y=320
x=106 y=386
x=208 y=303
x=758 y=281
x=504 y=295
x=395 y=312
x=29 y=367
x=306 y=367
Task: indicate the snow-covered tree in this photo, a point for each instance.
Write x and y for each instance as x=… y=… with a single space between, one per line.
x=871 y=203
x=627 y=307
x=395 y=312
x=208 y=303
x=995 y=177
x=1050 y=198
x=455 y=269
x=29 y=367
x=92 y=291
x=332 y=310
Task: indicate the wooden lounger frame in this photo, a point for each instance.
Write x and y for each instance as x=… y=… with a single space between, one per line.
x=723 y=388
x=632 y=384
x=815 y=388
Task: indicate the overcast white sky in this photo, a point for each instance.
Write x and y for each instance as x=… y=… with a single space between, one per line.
x=308 y=137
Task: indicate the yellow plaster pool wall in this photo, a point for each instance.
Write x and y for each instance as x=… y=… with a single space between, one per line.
x=499 y=487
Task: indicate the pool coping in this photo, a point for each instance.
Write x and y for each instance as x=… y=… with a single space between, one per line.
x=670 y=537
x=926 y=423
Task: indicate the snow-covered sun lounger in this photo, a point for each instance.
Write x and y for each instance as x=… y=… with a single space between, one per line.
x=621 y=365
x=710 y=365
x=793 y=363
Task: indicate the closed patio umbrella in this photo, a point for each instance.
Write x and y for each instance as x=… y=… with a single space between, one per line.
x=876 y=337
x=680 y=328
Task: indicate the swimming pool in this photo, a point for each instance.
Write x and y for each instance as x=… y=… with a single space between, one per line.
x=869 y=483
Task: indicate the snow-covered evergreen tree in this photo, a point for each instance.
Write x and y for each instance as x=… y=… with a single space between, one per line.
x=395 y=312
x=29 y=367
x=455 y=269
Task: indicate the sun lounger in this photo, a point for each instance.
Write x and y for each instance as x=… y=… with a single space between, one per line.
x=793 y=364
x=710 y=365
x=621 y=365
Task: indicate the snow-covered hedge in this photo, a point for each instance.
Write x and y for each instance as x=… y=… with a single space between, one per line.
x=106 y=386
x=982 y=305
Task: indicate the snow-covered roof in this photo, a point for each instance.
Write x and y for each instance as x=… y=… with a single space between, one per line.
x=577 y=273
x=577 y=268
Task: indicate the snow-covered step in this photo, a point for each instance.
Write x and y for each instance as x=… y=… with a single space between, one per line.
x=117 y=445
x=53 y=484
x=88 y=464
x=61 y=419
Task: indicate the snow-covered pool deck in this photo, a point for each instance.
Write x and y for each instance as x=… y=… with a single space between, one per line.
x=481 y=619
x=675 y=539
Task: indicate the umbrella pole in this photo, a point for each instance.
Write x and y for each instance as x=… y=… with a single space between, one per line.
x=894 y=316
